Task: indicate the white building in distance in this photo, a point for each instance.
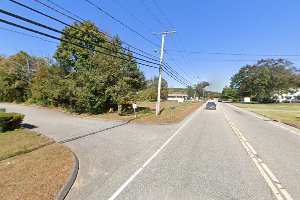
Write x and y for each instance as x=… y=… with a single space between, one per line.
x=289 y=97
x=177 y=97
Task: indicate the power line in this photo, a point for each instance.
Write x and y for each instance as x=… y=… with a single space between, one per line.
x=44 y=4
x=178 y=36
x=236 y=54
x=55 y=19
x=159 y=21
x=166 y=66
x=66 y=41
x=172 y=73
x=122 y=23
x=153 y=15
x=109 y=36
x=114 y=18
x=135 y=17
x=156 y=4
x=64 y=9
x=240 y=60
x=174 y=61
x=28 y=35
x=174 y=77
x=68 y=35
x=119 y=5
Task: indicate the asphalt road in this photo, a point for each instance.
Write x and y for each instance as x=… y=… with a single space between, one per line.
x=210 y=155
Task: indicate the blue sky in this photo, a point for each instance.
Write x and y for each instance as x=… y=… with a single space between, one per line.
x=231 y=26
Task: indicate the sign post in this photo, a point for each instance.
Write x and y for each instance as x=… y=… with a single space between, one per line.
x=134 y=106
x=172 y=109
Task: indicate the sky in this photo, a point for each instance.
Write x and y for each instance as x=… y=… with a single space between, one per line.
x=256 y=29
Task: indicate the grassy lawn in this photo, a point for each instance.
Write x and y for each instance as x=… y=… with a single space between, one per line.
x=32 y=166
x=288 y=113
x=20 y=141
x=146 y=112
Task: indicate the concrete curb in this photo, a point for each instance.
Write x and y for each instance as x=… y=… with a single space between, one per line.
x=67 y=186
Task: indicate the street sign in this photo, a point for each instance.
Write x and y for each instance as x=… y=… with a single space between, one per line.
x=134 y=106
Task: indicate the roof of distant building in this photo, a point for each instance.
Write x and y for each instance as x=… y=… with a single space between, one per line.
x=176 y=95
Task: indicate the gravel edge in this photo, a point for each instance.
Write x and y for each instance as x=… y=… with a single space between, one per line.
x=68 y=185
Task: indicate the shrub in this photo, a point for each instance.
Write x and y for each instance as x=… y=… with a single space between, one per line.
x=10 y=121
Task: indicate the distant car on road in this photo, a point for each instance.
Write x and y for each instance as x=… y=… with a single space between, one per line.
x=211 y=106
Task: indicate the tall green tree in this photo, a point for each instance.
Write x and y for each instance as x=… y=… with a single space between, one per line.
x=69 y=56
x=265 y=79
x=229 y=93
x=190 y=91
x=200 y=88
x=97 y=81
x=150 y=92
x=15 y=76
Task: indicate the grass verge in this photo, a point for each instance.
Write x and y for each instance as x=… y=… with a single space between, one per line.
x=288 y=113
x=31 y=172
x=146 y=113
x=20 y=141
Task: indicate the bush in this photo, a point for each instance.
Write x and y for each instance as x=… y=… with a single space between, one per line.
x=10 y=121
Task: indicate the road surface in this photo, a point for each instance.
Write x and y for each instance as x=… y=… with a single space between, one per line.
x=224 y=154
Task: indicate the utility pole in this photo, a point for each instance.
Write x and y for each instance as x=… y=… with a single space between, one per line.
x=195 y=88
x=160 y=67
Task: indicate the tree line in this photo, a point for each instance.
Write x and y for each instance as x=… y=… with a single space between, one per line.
x=263 y=81
x=78 y=79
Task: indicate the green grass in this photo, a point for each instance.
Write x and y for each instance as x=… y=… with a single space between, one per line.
x=20 y=141
x=30 y=168
x=147 y=112
x=288 y=113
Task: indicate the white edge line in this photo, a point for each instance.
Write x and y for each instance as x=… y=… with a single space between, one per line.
x=151 y=158
x=262 y=167
x=263 y=118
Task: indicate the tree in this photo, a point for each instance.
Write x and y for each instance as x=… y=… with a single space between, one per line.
x=229 y=93
x=97 y=81
x=150 y=92
x=190 y=91
x=298 y=80
x=200 y=88
x=264 y=79
x=15 y=76
x=81 y=80
x=68 y=55
x=48 y=87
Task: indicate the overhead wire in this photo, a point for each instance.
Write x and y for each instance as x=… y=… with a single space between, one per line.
x=177 y=34
x=28 y=35
x=162 y=25
x=53 y=3
x=174 y=77
x=68 y=35
x=178 y=75
x=237 y=54
x=79 y=21
x=173 y=74
x=135 y=17
x=120 y=22
x=73 y=27
x=66 y=41
x=77 y=15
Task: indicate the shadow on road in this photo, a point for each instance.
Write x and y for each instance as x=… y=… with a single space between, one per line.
x=93 y=133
